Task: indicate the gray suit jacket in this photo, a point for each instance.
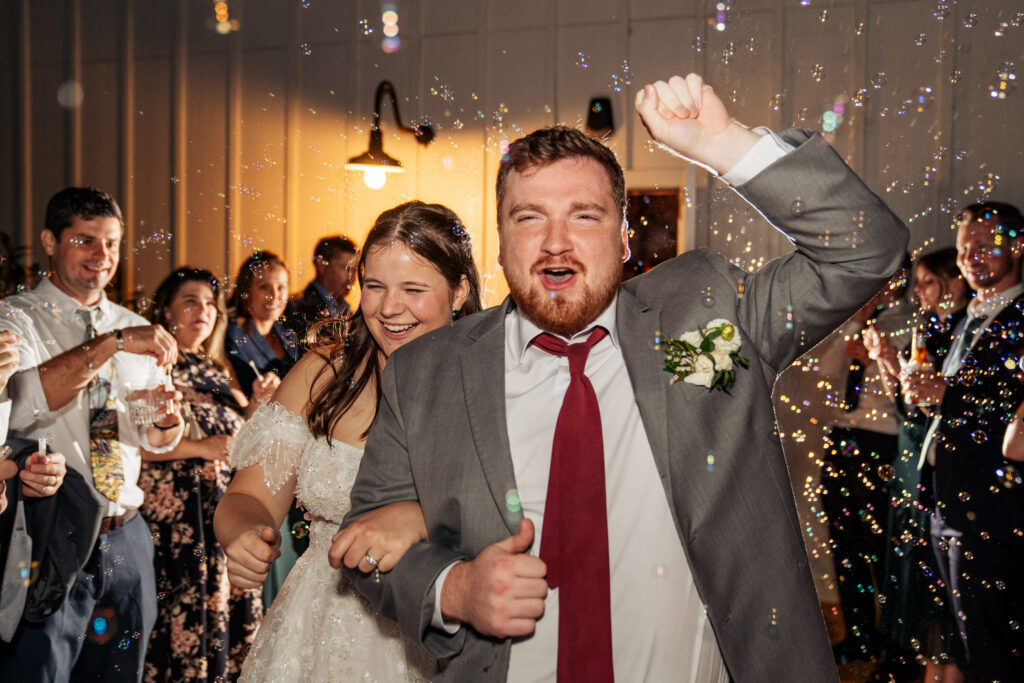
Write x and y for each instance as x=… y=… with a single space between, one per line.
x=441 y=436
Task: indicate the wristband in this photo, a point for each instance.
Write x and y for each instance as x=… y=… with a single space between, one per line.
x=119 y=336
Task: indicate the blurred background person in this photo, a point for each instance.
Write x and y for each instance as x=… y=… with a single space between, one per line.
x=262 y=349
x=916 y=616
x=979 y=512
x=256 y=341
x=334 y=260
x=863 y=438
x=204 y=625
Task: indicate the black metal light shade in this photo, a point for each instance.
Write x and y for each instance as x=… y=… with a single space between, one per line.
x=375 y=163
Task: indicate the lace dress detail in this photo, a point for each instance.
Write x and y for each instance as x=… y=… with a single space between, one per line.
x=318 y=628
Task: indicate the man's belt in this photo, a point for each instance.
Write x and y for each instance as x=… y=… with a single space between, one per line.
x=115 y=522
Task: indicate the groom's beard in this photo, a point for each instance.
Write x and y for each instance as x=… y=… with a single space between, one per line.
x=567 y=312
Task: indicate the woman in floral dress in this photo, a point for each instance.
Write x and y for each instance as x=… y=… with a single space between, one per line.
x=204 y=625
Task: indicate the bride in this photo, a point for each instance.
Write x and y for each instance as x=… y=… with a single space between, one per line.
x=416 y=274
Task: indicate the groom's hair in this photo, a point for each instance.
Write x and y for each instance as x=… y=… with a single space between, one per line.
x=548 y=145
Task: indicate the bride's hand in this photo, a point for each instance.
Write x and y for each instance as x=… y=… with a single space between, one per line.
x=383 y=534
x=250 y=556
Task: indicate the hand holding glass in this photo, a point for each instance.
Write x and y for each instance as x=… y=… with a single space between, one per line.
x=149 y=404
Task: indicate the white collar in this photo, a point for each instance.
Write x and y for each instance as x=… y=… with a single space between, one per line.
x=993 y=306
x=65 y=307
x=523 y=329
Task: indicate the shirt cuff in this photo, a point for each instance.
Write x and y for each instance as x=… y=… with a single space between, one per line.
x=438 y=622
x=166 y=448
x=769 y=149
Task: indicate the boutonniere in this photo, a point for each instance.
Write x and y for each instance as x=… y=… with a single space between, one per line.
x=707 y=356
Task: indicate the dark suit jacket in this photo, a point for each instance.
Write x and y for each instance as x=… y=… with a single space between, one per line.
x=978 y=405
x=63 y=528
x=441 y=437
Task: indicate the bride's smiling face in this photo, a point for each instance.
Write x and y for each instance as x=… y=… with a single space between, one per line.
x=404 y=296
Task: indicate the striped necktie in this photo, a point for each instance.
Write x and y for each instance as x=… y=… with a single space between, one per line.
x=104 y=447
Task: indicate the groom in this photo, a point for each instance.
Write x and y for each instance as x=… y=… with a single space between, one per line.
x=658 y=537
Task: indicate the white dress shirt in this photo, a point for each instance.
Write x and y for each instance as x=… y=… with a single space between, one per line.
x=660 y=629
x=49 y=324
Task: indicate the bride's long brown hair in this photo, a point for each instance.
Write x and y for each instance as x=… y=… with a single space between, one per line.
x=431 y=231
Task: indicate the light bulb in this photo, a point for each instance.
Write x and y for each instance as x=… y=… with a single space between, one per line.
x=374 y=178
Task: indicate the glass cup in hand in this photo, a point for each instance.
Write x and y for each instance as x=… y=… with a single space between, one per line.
x=149 y=404
x=911 y=370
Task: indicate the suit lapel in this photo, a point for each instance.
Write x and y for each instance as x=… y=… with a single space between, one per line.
x=483 y=379
x=638 y=326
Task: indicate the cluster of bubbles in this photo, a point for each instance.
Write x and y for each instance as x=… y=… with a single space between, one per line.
x=1006 y=81
x=621 y=78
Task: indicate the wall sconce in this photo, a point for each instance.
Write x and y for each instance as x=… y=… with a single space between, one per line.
x=375 y=163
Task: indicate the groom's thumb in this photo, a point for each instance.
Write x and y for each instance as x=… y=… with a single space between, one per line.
x=522 y=541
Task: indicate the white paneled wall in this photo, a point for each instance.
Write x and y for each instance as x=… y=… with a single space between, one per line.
x=218 y=144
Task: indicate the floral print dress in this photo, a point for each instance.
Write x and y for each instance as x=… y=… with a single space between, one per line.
x=204 y=625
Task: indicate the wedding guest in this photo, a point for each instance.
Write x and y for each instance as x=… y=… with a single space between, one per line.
x=916 y=618
x=861 y=443
x=257 y=336
x=261 y=349
x=204 y=626
x=416 y=274
x=334 y=261
x=80 y=354
x=979 y=515
x=648 y=497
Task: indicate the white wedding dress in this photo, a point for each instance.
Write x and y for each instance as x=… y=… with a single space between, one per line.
x=318 y=628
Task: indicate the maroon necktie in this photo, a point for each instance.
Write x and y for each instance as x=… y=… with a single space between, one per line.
x=574 y=542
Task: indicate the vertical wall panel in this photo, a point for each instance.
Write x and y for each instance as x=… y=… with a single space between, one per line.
x=100 y=112
x=578 y=79
x=261 y=151
x=906 y=125
x=10 y=115
x=450 y=166
x=151 y=246
x=987 y=157
x=205 y=168
x=657 y=50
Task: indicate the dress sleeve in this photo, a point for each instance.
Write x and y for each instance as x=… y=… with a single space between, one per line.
x=274 y=437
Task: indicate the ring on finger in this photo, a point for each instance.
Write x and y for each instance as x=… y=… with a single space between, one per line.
x=370 y=561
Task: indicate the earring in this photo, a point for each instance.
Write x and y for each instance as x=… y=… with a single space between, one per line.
x=455 y=313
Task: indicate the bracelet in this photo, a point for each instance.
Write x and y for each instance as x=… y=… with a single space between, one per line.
x=119 y=336
x=168 y=428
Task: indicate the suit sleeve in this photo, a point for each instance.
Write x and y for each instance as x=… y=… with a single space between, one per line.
x=848 y=243
x=406 y=593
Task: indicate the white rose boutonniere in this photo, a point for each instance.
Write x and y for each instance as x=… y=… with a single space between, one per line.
x=707 y=357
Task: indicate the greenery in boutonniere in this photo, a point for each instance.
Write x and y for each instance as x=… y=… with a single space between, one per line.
x=707 y=356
